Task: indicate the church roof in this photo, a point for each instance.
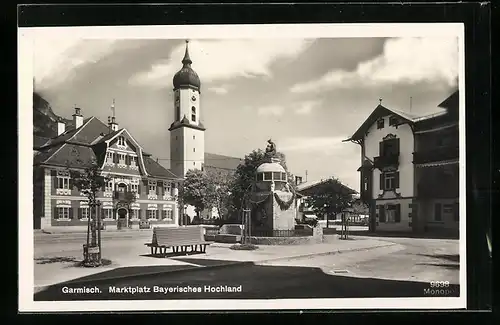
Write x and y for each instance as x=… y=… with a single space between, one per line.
x=217 y=161
x=186 y=76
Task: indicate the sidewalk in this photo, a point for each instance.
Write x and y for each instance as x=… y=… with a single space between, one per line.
x=136 y=262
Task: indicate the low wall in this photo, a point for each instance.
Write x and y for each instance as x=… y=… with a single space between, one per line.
x=316 y=238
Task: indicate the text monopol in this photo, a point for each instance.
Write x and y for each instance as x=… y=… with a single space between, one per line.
x=175 y=289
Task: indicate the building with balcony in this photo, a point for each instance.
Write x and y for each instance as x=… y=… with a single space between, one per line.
x=137 y=188
x=410 y=168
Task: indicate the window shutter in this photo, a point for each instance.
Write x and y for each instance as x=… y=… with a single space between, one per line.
x=79 y=213
x=115 y=158
x=397 y=218
x=396 y=180
x=139 y=214
x=127 y=160
x=53 y=174
x=397 y=146
x=381 y=148
x=70 y=211
x=381 y=181
x=139 y=189
x=71 y=184
x=55 y=213
x=381 y=214
x=158 y=188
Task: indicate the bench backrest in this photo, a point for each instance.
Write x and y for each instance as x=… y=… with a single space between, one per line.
x=232 y=229
x=178 y=236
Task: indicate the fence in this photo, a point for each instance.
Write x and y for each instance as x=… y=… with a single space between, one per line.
x=280 y=233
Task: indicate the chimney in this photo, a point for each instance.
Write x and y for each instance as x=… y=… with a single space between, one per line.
x=77 y=118
x=61 y=127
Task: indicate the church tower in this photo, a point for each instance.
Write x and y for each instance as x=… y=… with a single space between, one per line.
x=187 y=133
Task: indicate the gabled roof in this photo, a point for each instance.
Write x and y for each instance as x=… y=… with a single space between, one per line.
x=85 y=134
x=39 y=141
x=154 y=169
x=304 y=188
x=221 y=162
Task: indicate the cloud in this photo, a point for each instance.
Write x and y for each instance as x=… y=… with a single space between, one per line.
x=408 y=60
x=55 y=59
x=307 y=107
x=218 y=90
x=223 y=59
x=275 y=110
x=307 y=144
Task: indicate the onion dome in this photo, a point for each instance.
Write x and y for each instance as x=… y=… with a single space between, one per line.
x=270 y=167
x=186 y=76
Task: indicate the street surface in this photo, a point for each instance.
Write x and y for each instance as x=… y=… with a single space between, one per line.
x=405 y=269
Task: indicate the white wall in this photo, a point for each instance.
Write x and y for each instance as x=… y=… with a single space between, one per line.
x=405 y=135
x=403 y=225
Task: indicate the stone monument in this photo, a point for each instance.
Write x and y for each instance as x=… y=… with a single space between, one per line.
x=272 y=200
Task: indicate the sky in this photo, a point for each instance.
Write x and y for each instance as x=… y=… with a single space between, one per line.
x=307 y=94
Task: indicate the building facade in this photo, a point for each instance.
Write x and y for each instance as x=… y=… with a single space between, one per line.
x=409 y=168
x=137 y=188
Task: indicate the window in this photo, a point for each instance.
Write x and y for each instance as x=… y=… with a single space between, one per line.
x=167 y=214
x=133 y=161
x=176 y=137
x=448 y=208
x=177 y=109
x=389 y=147
x=283 y=176
x=389 y=181
x=109 y=157
x=277 y=176
x=84 y=213
x=393 y=120
x=438 y=212
x=168 y=188
x=268 y=176
x=63 y=213
x=63 y=182
x=194 y=137
x=380 y=123
x=260 y=176
x=152 y=214
x=193 y=114
x=390 y=213
x=152 y=187
x=194 y=149
x=121 y=141
x=108 y=213
x=134 y=188
x=109 y=186
x=194 y=163
x=121 y=159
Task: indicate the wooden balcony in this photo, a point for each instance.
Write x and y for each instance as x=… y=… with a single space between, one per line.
x=386 y=161
x=436 y=155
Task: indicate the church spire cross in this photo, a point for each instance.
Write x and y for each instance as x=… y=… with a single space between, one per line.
x=380 y=101
x=113 y=108
x=187 y=59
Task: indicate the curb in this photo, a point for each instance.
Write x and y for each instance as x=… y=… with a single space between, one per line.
x=211 y=267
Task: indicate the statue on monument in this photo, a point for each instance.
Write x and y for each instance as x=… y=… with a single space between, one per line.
x=271 y=148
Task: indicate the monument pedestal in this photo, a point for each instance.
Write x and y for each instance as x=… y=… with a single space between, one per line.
x=276 y=213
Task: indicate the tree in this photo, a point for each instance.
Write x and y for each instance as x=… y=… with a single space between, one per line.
x=246 y=172
x=194 y=190
x=330 y=198
x=218 y=190
x=90 y=182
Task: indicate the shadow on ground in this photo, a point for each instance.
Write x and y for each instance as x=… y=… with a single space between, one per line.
x=171 y=254
x=250 y=281
x=56 y=259
x=402 y=234
x=454 y=258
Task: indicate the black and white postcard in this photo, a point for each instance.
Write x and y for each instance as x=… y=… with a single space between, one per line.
x=235 y=167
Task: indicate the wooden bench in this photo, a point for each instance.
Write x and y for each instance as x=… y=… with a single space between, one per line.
x=179 y=239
